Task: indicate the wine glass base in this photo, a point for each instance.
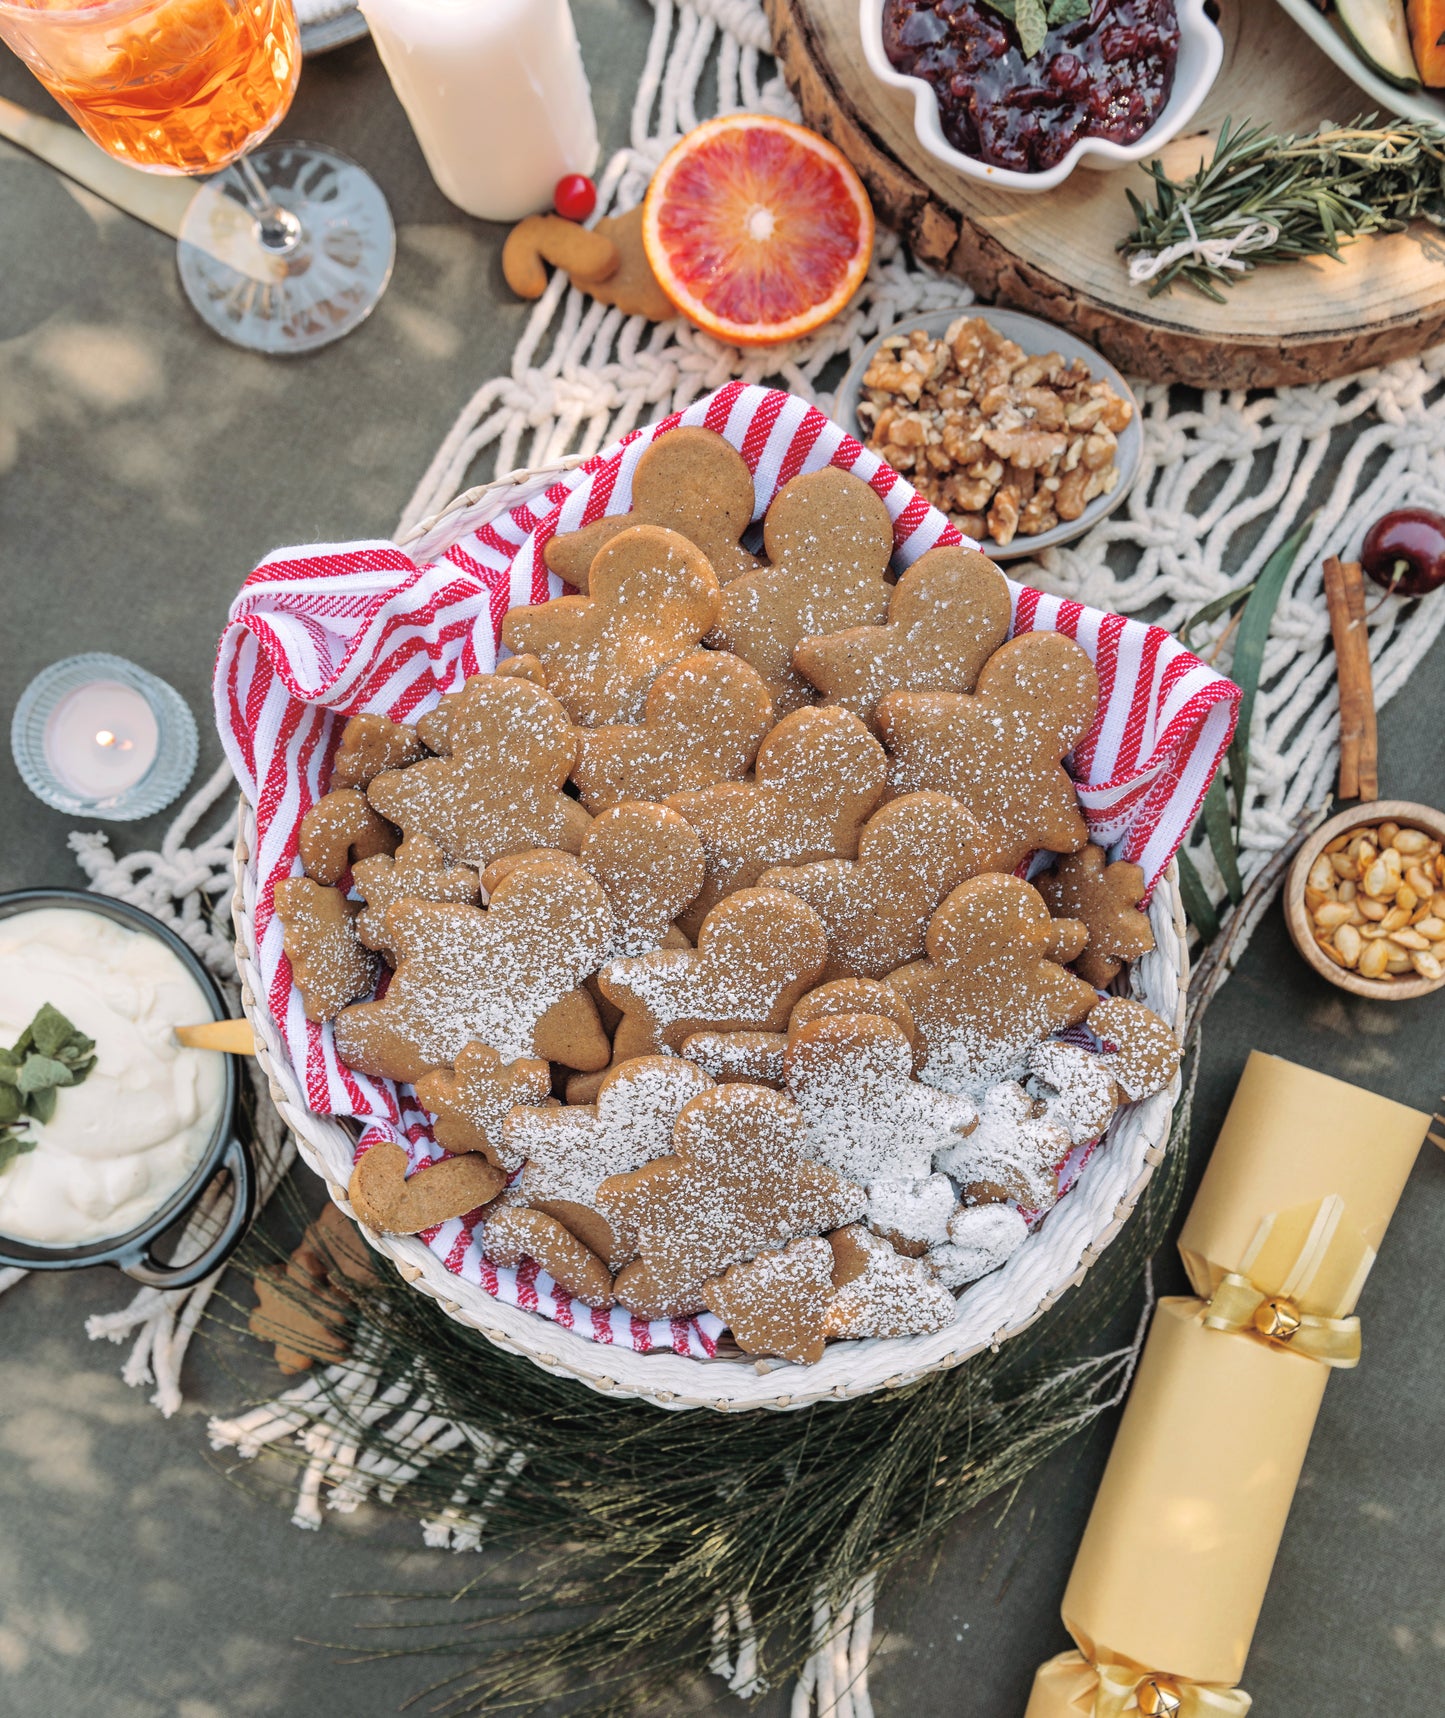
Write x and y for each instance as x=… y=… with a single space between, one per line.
x=313 y=281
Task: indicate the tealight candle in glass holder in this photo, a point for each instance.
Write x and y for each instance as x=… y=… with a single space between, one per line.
x=96 y=735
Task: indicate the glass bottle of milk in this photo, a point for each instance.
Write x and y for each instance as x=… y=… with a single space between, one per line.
x=496 y=93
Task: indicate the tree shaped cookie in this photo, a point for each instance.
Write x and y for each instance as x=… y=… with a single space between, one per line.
x=876 y=907
x=1105 y=899
x=851 y=1076
x=471 y=1101
x=1013 y=1153
x=819 y=774
x=328 y=963
x=987 y=990
x=1000 y=749
x=689 y=480
x=877 y=1292
x=570 y=1150
x=702 y=722
x=371 y=744
x=340 y=829
x=653 y=597
x=828 y=538
x=738 y=1182
x=757 y=953
x=418 y=872
x=777 y=1304
x=947 y=615
x=508 y=749
x=505 y=977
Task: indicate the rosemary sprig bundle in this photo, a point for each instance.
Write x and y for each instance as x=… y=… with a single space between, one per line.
x=1302 y=196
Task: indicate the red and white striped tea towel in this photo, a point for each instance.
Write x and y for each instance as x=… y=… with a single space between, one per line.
x=322 y=632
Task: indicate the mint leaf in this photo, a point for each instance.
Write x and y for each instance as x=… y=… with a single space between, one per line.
x=1032 y=23
x=38 y=1072
x=12 y=1106
x=1068 y=11
x=41 y=1104
x=50 y=1029
x=9 y=1068
x=1004 y=8
x=12 y=1147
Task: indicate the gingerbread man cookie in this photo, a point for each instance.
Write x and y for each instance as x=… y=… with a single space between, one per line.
x=1105 y=899
x=417 y=872
x=737 y=1183
x=1000 y=749
x=505 y=976
x=947 y=615
x=777 y=1304
x=987 y=990
x=980 y=1239
x=1141 y=1052
x=653 y=597
x=526 y=667
x=877 y=1292
x=509 y=747
x=911 y=853
x=328 y=963
x=857 y=996
x=1013 y=1153
x=651 y=863
x=702 y=722
x=828 y=537
x=819 y=774
x=295 y=1315
x=753 y=1057
x=371 y=744
x=386 y=1198
x=912 y=1216
x=471 y=1101
x=757 y=953
x=513 y=1233
x=1076 y=1086
x=340 y=829
x=690 y=481
x=851 y=1076
x=569 y=1151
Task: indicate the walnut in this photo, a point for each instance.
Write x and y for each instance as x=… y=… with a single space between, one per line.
x=1026 y=445
x=1003 y=517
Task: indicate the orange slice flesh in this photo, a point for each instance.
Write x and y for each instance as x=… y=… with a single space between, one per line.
x=757 y=229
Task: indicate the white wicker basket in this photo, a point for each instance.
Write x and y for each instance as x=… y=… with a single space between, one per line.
x=1053 y=1259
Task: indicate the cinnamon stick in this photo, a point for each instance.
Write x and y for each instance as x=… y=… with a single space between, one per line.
x=1359 y=744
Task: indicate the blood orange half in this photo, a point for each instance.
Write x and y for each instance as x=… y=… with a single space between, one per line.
x=757 y=229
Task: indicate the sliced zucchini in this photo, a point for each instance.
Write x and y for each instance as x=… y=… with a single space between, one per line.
x=1377 y=31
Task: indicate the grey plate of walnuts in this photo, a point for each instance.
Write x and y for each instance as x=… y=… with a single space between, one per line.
x=1022 y=434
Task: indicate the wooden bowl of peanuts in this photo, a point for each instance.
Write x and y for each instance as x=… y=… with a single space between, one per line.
x=1365 y=900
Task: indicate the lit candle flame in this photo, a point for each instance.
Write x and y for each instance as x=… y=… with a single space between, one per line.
x=105 y=738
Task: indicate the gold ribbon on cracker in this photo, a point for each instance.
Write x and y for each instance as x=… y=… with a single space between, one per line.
x=1171 y=1574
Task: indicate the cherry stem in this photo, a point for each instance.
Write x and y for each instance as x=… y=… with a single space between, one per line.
x=1397 y=573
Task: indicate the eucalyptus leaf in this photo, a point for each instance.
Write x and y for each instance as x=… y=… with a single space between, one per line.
x=12 y=1146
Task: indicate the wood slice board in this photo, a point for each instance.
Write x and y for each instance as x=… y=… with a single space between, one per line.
x=1053 y=253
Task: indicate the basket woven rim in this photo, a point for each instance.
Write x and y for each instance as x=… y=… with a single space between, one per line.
x=727 y=1384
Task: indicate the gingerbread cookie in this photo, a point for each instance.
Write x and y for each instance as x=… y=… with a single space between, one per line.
x=340 y=829
x=569 y=1151
x=1141 y=1052
x=1105 y=899
x=690 y=481
x=539 y=239
x=987 y=990
x=417 y=872
x=851 y=1076
x=702 y=722
x=947 y=615
x=631 y=287
x=757 y=953
x=294 y=1316
x=505 y=977
x=912 y=1216
x=328 y=963
x=876 y=907
x=526 y=667
x=1000 y=749
x=513 y=1232
x=753 y=1057
x=737 y=1183
x=1069 y=940
x=828 y=538
x=857 y=996
x=650 y=862
x=371 y=744
x=508 y=748
x=876 y=1292
x=981 y=1238
x=386 y=1198
x=1013 y=1153
x=471 y=1101
x=819 y=774
x=653 y=596
x=777 y=1304
x=1076 y=1086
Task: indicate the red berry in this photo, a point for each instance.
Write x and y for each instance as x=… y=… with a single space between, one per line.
x=575 y=197
x=1404 y=552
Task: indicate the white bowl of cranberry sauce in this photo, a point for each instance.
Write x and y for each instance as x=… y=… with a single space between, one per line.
x=1106 y=88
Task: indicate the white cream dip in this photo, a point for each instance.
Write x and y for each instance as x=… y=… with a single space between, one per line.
x=129 y=1134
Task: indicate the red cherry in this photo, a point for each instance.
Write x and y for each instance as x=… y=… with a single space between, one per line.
x=1404 y=552
x=575 y=197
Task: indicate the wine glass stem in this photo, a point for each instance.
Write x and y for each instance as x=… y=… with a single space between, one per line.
x=276 y=227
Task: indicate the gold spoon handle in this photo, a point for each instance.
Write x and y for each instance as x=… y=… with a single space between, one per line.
x=233 y=1036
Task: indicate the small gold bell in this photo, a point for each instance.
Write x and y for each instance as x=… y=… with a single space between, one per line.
x=1277 y=1319
x=1159 y=1698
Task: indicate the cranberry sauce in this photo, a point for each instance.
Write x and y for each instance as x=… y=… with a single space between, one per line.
x=1107 y=75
